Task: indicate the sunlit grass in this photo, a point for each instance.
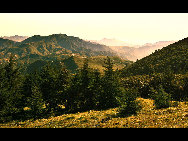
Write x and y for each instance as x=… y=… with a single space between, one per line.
x=149 y=117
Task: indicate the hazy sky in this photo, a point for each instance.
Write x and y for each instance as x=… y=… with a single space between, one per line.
x=137 y=28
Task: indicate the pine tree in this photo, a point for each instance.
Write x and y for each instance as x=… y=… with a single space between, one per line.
x=110 y=87
x=47 y=84
x=32 y=95
x=10 y=93
x=82 y=93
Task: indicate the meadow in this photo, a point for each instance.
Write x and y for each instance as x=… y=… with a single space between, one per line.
x=175 y=116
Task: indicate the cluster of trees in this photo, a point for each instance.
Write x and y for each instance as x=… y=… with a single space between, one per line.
x=44 y=92
x=161 y=87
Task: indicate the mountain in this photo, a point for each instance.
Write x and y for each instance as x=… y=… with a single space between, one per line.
x=71 y=43
x=132 y=53
x=36 y=51
x=113 y=42
x=51 y=46
x=172 y=58
x=15 y=38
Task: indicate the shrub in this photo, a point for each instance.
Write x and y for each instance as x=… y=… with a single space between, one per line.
x=161 y=98
x=129 y=105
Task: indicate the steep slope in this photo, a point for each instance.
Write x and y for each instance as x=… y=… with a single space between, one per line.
x=172 y=58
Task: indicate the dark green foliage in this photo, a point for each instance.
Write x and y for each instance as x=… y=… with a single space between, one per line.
x=111 y=89
x=11 y=98
x=35 y=102
x=129 y=105
x=32 y=95
x=89 y=90
x=161 y=98
x=70 y=64
x=184 y=88
x=53 y=84
x=81 y=95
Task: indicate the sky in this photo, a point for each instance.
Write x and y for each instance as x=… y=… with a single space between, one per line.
x=135 y=28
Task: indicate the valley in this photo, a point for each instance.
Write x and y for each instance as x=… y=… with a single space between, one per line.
x=61 y=81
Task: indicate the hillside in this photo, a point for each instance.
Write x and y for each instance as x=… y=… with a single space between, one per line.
x=6 y=43
x=74 y=44
x=52 y=46
x=148 y=117
x=72 y=63
x=173 y=58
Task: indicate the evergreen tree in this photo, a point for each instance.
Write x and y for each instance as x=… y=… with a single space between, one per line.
x=35 y=102
x=129 y=105
x=84 y=88
x=110 y=87
x=161 y=98
x=32 y=95
x=10 y=93
x=47 y=84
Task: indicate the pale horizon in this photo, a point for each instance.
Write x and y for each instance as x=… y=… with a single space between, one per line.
x=134 y=28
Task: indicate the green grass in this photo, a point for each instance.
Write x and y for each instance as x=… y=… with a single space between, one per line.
x=148 y=117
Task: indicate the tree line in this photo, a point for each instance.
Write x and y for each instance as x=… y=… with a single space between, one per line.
x=44 y=92
x=52 y=90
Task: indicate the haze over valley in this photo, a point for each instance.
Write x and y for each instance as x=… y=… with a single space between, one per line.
x=99 y=70
x=123 y=49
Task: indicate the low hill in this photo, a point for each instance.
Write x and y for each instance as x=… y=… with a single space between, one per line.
x=173 y=58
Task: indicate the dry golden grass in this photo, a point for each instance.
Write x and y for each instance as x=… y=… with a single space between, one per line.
x=148 y=117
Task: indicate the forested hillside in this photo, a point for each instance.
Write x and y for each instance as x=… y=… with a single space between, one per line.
x=48 y=76
x=173 y=58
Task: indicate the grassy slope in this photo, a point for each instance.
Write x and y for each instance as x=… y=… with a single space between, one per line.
x=97 y=62
x=148 y=117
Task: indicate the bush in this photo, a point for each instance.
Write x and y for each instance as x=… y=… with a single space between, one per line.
x=160 y=97
x=129 y=105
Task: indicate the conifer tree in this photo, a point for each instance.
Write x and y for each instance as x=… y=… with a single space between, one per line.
x=110 y=87
x=35 y=102
x=10 y=92
x=47 y=84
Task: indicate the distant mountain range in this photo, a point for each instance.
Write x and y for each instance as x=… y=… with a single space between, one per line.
x=15 y=38
x=113 y=42
x=130 y=51
x=55 y=48
x=61 y=43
